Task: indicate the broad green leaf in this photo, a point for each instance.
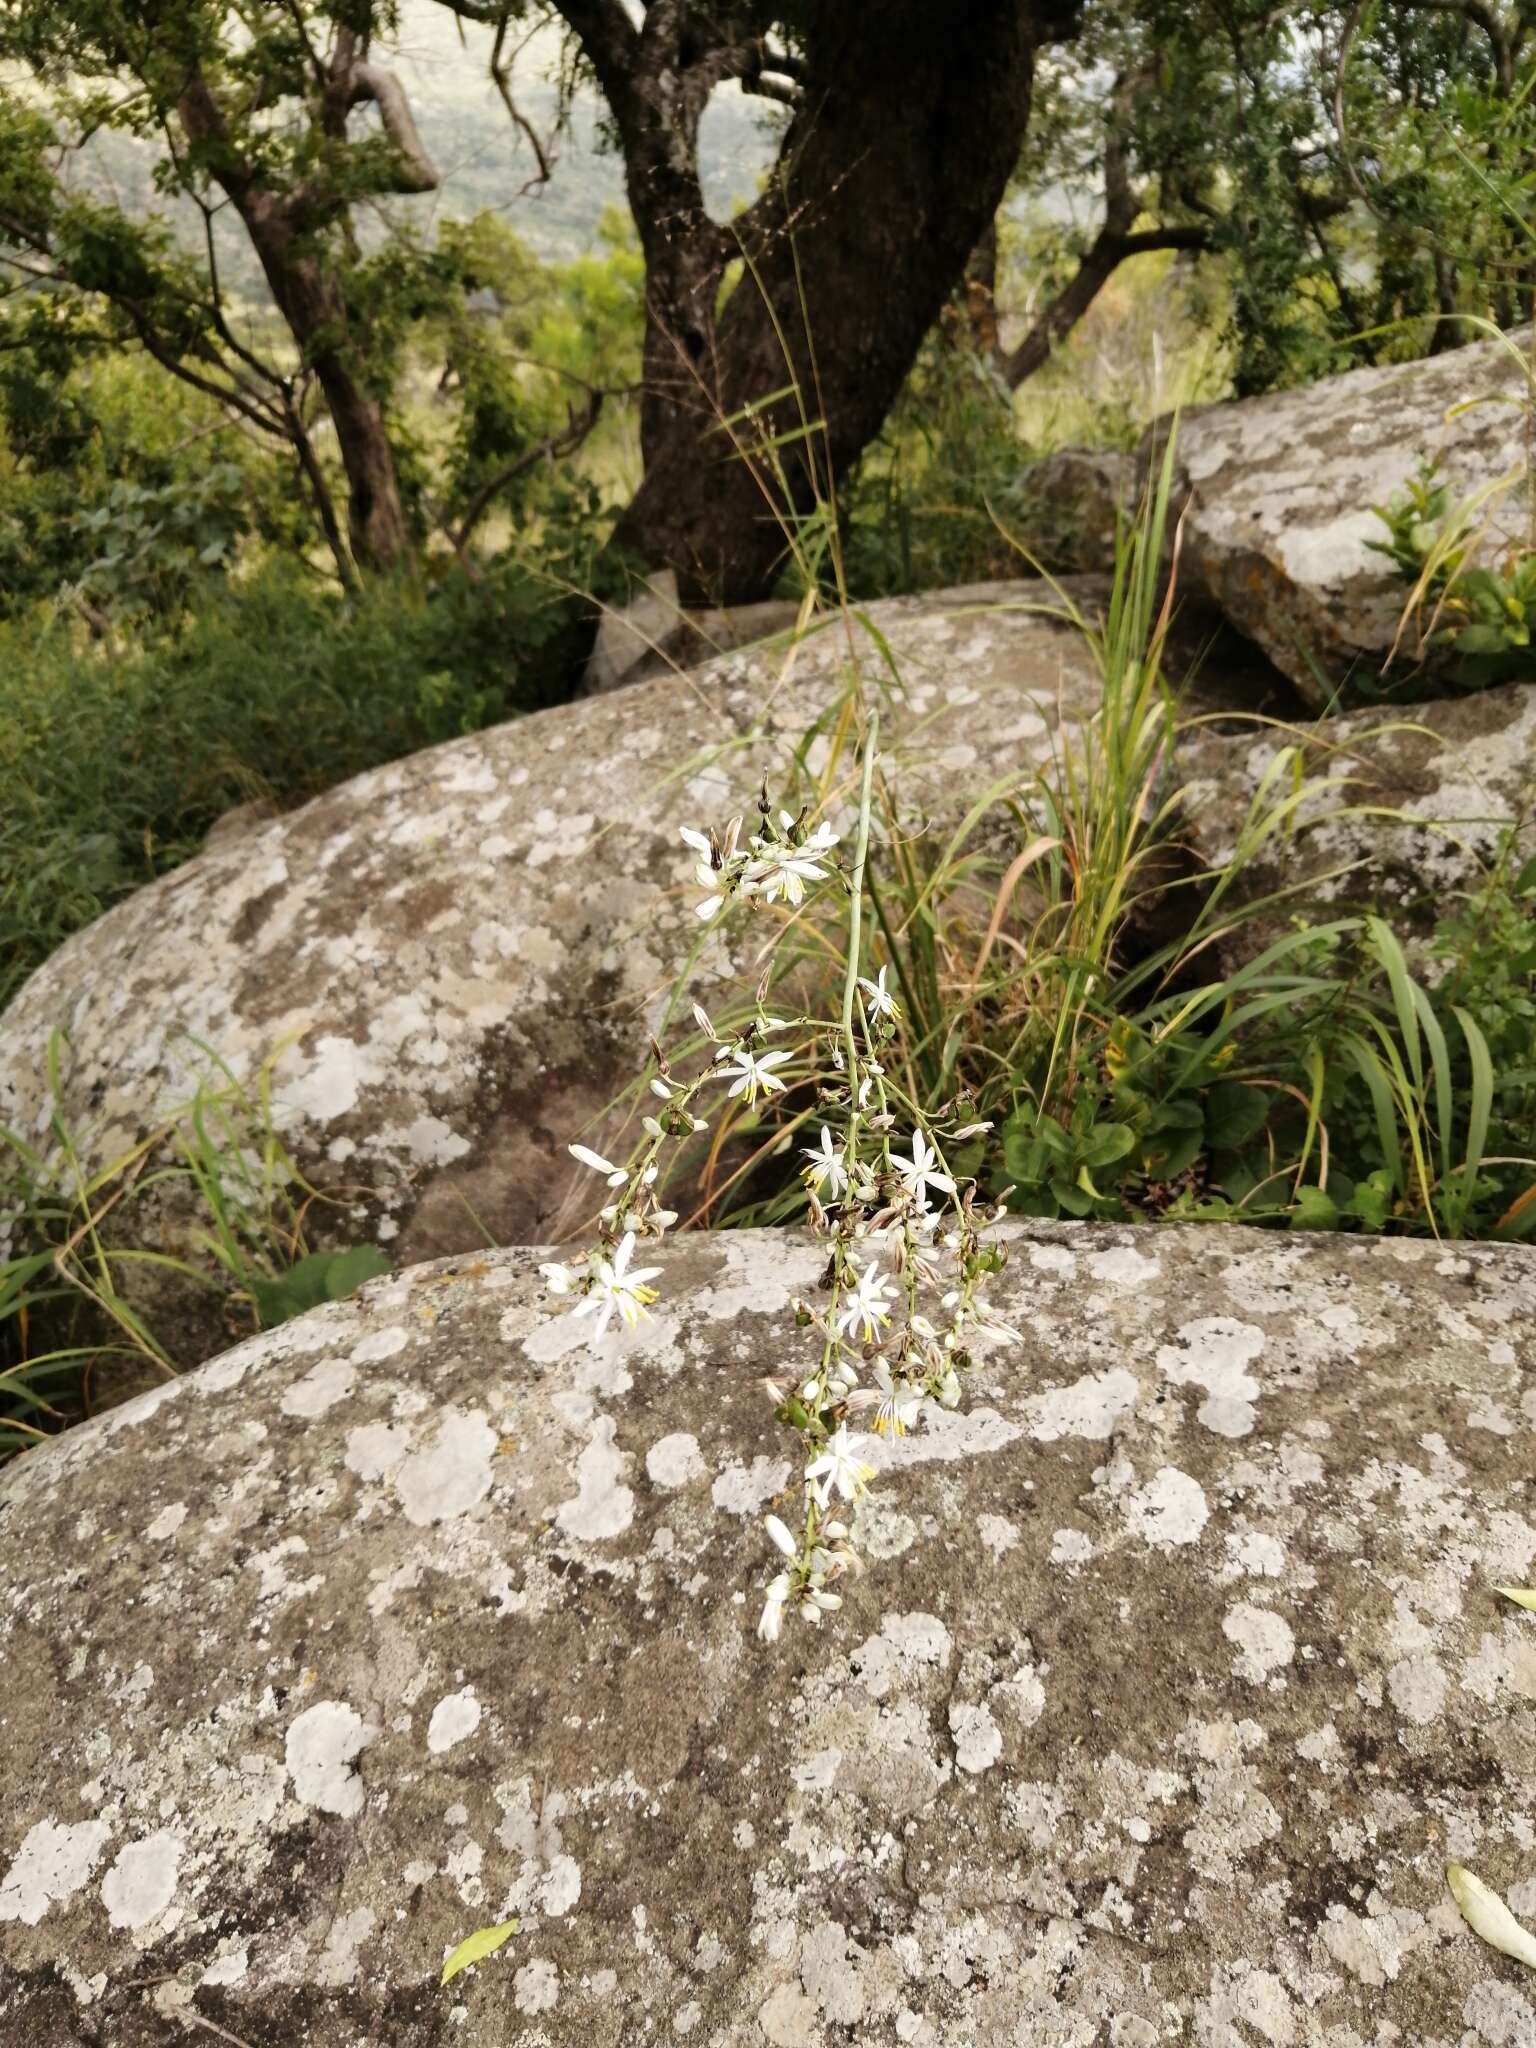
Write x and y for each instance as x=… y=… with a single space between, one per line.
x=1104 y=1144
x=1234 y=1113
x=1314 y=1210
x=1523 y=1596
x=474 y=1948
x=1488 y=1916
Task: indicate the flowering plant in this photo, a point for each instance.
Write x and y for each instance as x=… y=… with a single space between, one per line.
x=900 y=1298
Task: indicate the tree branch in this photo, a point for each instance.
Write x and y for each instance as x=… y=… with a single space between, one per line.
x=1109 y=249
x=501 y=74
x=1484 y=18
x=417 y=172
x=566 y=442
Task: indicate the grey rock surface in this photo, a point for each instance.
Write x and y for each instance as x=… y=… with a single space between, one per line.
x=456 y=958
x=1411 y=810
x=1281 y=489
x=1176 y=1675
x=1277 y=493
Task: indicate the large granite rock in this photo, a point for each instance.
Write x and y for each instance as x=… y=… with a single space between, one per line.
x=457 y=956
x=1281 y=488
x=1176 y=1676
x=1277 y=495
x=1410 y=813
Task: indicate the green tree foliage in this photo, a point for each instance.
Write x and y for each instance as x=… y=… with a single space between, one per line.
x=1349 y=168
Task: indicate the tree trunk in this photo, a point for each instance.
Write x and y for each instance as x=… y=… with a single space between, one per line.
x=910 y=119
x=310 y=298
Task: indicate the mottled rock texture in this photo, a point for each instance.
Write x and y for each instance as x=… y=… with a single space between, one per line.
x=1411 y=809
x=1281 y=488
x=1277 y=494
x=1175 y=1677
x=458 y=956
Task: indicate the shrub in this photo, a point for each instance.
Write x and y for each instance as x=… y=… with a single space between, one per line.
x=116 y=760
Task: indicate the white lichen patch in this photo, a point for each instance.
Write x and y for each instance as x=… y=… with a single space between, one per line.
x=603 y=1507
x=54 y=1862
x=454 y=1719
x=1169 y=1511
x=673 y=1460
x=746 y=1489
x=1264 y=1640
x=978 y=1739
x=452 y=1474
x=321 y=1387
x=1215 y=1352
x=339 y=1962
x=1089 y=1408
x=142 y=1880
x=321 y=1749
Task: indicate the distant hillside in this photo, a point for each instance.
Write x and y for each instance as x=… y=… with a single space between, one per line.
x=485 y=162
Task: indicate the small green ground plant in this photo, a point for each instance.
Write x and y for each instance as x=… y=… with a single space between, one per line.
x=82 y=1249
x=1474 y=593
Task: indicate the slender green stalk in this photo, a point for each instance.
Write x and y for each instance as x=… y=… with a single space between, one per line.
x=856 y=903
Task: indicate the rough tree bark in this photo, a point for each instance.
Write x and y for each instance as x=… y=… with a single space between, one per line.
x=286 y=231
x=908 y=119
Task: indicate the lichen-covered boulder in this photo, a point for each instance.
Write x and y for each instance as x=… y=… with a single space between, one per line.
x=1411 y=810
x=1176 y=1675
x=1279 y=492
x=456 y=957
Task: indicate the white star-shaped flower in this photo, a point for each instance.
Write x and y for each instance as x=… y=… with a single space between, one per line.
x=826 y=1167
x=751 y=1071
x=841 y=1468
x=879 y=1000
x=865 y=1308
x=615 y=1287
x=781 y=869
x=919 y=1172
x=897 y=1404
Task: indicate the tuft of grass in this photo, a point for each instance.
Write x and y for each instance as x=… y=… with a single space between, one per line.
x=86 y=1254
x=1060 y=959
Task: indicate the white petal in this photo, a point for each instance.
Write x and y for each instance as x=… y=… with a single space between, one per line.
x=1523 y=1596
x=780 y=1536
x=593 y=1159
x=1487 y=1915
